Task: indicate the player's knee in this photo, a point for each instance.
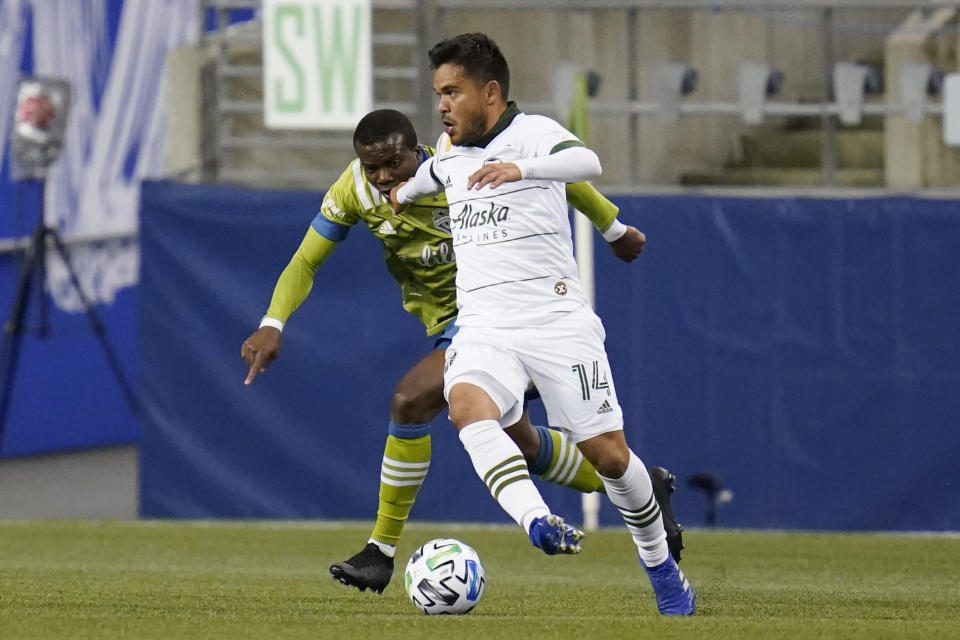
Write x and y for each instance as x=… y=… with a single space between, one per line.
x=608 y=453
x=469 y=404
x=463 y=414
x=612 y=465
x=415 y=406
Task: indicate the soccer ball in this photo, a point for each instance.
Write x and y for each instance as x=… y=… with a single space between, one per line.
x=445 y=576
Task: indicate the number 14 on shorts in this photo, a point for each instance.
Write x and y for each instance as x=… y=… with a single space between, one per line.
x=596 y=382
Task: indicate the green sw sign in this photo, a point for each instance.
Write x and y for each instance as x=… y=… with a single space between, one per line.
x=317 y=63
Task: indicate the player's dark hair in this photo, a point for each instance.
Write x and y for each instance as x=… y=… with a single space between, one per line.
x=377 y=125
x=479 y=56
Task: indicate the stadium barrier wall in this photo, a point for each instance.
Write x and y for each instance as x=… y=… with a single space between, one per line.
x=64 y=395
x=803 y=350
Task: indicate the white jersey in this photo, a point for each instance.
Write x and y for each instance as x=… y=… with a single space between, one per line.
x=515 y=264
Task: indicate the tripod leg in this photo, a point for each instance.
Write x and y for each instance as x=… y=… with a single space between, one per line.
x=98 y=329
x=13 y=329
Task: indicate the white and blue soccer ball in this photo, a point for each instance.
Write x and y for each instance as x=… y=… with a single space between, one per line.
x=445 y=576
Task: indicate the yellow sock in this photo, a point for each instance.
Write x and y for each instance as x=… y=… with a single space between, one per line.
x=405 y=464
x=562 y=463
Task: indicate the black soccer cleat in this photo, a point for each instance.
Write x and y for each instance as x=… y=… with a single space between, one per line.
x=663 y=486
x=369 y=569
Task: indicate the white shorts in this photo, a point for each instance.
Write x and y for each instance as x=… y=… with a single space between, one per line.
x=565 y=360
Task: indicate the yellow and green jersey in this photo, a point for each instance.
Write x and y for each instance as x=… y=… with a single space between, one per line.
x=417 y=245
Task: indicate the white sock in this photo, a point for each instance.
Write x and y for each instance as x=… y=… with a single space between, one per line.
x=388 y=549
x=632 y=495
x=499 y=463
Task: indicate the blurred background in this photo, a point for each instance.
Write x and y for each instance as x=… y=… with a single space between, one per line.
x=787 y=345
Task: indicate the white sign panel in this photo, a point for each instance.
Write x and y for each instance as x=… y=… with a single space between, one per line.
x=951 y=109
x=317 y=63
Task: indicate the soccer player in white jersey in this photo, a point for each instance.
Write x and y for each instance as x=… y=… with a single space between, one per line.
x=522 y=315
x=418 y=253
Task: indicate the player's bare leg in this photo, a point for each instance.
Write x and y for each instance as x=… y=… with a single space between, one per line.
x=552 y=457
x=500 y=464
x=630 y=490
x=416 y=401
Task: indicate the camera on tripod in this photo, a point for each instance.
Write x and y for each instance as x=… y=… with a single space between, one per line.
x=39 y=128
x=39 y=125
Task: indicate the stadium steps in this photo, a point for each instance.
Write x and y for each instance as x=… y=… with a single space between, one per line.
x=783 y=176
x=856 y=149
x=791 y=156
x=249 y=153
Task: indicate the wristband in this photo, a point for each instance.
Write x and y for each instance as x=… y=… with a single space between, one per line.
x=615 y=231
x=271 y=322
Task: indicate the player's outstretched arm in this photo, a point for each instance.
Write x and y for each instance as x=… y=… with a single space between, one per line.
x=626 y=242
x=292 y=288
x=423 y=183
x=584 y=197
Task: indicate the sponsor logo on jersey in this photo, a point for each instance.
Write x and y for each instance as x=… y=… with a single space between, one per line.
x=331 y=210
x=471 y=217
x=431 y=257
x=386 y=229
x=448 y=182
x=560 y=288
x=604 y=408
x=441 y=219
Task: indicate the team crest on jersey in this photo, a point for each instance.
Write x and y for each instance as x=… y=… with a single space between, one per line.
x=441 y=219
x=560 y=288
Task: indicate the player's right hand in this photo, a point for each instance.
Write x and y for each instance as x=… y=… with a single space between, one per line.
x=259 y=350
x=394 y=201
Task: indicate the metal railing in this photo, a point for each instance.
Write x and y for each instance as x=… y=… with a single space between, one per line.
x=227 y=35
x=827 y=111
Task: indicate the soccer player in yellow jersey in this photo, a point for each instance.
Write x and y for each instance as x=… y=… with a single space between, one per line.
x=419 y=255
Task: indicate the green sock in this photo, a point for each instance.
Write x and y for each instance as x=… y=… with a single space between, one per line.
x=406 y=459
x=562 y=463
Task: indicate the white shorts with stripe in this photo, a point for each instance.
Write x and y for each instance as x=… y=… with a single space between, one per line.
x=565 y=360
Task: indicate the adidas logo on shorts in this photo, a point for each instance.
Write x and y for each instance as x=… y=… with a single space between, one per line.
x=604 y=408
x=387 y=229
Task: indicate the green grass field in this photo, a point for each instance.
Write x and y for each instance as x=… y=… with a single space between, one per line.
x=79 y=579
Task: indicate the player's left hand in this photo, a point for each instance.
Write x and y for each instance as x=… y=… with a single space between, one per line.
x=494 y=175
x=628 y=246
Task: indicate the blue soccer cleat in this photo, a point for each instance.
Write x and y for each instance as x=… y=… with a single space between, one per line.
x=554 y=536
x=674 y=592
